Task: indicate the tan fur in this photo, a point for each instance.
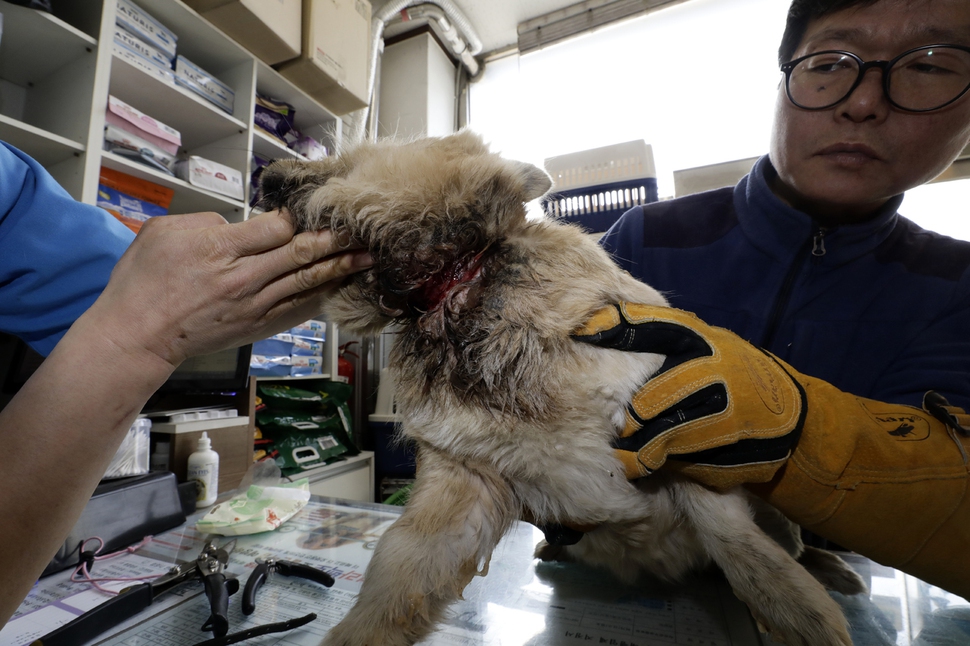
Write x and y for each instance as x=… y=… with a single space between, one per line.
x=512 y=418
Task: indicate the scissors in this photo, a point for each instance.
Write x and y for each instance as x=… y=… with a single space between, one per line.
x=265 y=567
x=207 y=567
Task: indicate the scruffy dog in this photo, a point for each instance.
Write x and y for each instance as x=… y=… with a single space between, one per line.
x=511 y=417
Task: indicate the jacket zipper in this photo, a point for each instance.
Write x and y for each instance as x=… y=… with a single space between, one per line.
x=814 y=244
x=818 y=242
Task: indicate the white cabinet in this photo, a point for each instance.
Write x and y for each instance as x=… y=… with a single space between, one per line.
x=56 y=72
x=351 y=479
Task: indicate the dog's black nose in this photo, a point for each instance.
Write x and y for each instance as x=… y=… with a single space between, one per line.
x=272 y=185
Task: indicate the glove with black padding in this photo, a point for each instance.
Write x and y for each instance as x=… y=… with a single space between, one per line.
x=886 y=480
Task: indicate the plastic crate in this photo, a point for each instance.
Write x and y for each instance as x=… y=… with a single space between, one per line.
x=593 y=188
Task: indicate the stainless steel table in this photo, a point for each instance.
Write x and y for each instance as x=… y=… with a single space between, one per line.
x=520 y=602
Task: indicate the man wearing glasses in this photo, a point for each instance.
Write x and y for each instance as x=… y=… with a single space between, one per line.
x=866 y=316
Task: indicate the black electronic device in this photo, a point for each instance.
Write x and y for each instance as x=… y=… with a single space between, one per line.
x=220 y=372
x=223 y=371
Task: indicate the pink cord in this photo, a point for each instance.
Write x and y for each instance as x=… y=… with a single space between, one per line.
x=86 y=577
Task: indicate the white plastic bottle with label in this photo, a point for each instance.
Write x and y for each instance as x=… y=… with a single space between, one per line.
x=204 y=470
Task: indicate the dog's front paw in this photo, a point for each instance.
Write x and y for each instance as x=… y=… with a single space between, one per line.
x=546 y=552
x=821 y=625
x=832 y=572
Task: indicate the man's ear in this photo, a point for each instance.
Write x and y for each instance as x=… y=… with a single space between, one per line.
x=534 y=181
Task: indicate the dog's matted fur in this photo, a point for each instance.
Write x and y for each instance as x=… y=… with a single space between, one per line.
x=511 y=417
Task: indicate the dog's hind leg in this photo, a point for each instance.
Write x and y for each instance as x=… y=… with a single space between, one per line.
x=783 y=597
x=454 y=518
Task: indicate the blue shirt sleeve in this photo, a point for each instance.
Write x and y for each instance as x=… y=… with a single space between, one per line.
x=56 y=253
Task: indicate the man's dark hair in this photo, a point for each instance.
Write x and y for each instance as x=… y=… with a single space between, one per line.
x=801 y=13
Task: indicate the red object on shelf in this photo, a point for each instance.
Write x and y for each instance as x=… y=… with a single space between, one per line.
x=345 y=369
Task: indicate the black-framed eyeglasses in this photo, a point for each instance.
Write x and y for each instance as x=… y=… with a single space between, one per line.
x=919 y=80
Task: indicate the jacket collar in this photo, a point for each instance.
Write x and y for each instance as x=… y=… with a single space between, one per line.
x=782 y=231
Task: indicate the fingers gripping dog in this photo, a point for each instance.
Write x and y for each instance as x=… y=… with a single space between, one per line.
x=726 y=413
x=513 y=418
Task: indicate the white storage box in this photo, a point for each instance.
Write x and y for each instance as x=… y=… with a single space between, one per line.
x=143 y=25
x=208 y=174
x=139 y=61
x=190 y=75
x=139 y=46
x=133 y=455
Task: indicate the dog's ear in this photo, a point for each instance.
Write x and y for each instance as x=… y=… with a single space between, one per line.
x=533 y=180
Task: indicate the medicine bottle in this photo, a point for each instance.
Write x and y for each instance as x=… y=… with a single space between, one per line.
x=204 y=470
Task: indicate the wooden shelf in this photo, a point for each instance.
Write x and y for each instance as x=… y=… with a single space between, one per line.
x=199 y=121
x=35 y=44
x=187 y=199
x=46 y=147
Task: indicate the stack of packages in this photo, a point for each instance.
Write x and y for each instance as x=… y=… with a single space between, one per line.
x=131 y=133
x=275 y=120
x=303 y=429
x=144 y=42
x=149 y=45
x=130 y=199
x=297 y=353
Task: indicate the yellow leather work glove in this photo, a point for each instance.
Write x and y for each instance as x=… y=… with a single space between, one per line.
x=889 y=481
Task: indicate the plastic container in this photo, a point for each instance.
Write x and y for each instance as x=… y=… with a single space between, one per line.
x=593 y=188
x=132 y=457
x=203 y=469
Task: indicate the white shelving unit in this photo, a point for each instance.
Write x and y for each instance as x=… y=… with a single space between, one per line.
x=56 y=72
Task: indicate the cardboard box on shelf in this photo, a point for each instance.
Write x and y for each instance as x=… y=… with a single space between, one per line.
x=336 y=44
x=270 y=29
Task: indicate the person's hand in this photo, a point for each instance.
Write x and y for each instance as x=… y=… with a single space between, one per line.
x=716 y=400
x=194 y=284
x=727 y=413
x=889 y=481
